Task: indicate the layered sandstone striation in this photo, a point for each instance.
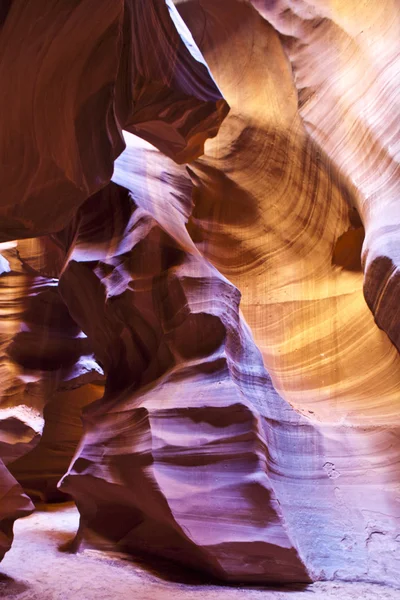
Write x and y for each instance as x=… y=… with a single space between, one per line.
x=351 y=110
x=178 y=438
x=62 y=132
x=242 y=307
x=74 y=83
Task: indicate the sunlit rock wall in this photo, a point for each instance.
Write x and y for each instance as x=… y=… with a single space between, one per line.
x=235 y=281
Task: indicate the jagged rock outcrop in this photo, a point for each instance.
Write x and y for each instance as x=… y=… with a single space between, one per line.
x=312 y=464
x=182 y=404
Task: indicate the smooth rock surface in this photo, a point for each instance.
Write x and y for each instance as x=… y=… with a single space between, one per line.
x=74 y=83
x=241 y=310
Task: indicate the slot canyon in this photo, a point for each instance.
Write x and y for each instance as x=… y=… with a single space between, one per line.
x=199 y=331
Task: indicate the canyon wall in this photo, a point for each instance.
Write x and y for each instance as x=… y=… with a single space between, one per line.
x=199 y=262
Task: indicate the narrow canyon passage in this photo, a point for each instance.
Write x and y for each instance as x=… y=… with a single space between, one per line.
x=199 y=299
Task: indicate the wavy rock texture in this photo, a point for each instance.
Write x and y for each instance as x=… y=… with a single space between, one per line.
x=290 y=240
x=249 y=425
x=278 y=236
x=83 y=81
x=271 y=210
x=57 y=146
x=351 y=109
x=282 y=240
x=341 y=528
x=184 y=440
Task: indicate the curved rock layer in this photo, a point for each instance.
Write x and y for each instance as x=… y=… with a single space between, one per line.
x=57 y=146
x=249 y=424
x=311 y=467
x=349 y=102
x=279 y=237
x=273 y=212
x=134 y=66
x=290 y=239
x=42 y=351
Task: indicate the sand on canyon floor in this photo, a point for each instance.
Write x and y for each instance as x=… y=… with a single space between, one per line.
x=39 y=568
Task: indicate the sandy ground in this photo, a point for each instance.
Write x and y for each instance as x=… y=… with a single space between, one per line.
x=37 y=568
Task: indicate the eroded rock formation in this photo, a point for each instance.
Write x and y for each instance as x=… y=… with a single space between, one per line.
x=243 y=306
x=13 y=505
x=44 y=357
x=72 y=86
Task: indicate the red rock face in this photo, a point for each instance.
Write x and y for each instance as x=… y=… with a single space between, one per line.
x=227 y=329
x=13 y=505
x=57 y=145
x=72 y=87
